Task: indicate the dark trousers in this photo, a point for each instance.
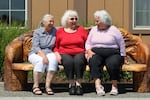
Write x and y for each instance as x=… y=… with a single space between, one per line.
x=74 y=65
x=109 y=57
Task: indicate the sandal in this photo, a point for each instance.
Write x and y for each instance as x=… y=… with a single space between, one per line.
x=49 y=91
x=100 y=90
x=36 y=91
x=114 y=91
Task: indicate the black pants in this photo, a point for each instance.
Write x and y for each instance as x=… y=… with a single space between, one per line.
x=74 y=65
x=106 y=56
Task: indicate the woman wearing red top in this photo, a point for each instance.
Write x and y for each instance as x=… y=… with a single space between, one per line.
x=70 y=50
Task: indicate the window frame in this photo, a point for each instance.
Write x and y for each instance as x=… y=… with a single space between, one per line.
x=9 y=10
x=135 y=27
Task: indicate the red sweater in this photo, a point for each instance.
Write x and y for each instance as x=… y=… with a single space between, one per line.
x=70 y=43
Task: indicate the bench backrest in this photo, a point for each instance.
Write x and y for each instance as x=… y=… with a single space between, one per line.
x=133 y=43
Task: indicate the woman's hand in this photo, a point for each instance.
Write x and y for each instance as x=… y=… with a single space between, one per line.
x=89 y=54
x=126 y=61
x=45 y=60
x=42 y=54
x=58 y=57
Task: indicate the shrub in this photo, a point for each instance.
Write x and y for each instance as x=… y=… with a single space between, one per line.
x=7 y=34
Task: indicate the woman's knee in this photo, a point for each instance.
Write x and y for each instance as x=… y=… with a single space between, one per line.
x=35 y=59
x=67 y=59
x=115 y=60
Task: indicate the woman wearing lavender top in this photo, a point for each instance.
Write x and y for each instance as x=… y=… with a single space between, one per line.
x=105 y=46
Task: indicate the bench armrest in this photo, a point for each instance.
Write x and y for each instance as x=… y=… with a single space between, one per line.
x=14 y=52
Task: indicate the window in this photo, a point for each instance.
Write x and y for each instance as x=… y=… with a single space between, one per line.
x=141 y=14
x=13 y=11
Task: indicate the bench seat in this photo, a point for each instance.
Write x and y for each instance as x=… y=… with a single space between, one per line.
x=129 y=67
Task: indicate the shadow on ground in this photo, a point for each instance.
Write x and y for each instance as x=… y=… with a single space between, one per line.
x=87 y=87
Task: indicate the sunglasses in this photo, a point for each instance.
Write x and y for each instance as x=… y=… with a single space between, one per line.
x=73 y=18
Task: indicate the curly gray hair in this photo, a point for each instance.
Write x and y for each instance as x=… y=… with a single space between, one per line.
x=66 y=15
x=104 y=17
x=44 y=19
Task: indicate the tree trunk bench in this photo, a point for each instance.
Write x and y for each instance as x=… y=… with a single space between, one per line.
x=17 y=66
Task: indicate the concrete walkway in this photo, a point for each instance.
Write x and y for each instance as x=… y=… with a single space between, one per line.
x=62 y=94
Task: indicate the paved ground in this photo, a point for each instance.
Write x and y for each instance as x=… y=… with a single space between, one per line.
x=126 y=93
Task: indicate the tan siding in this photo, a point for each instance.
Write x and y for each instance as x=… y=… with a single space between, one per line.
x=29 y=13
x=70 y=4
x=92 y=6
x=39 y=8
x=57 y=8
x=146 y=39
x=126 y=14
x=80 y=7
x=115 y=8
x=120 y=10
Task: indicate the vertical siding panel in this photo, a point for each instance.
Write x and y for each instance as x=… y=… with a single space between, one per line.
x=115 y=8
x=146 y=38
x=39 y=8
x=120 y=10
x=127 y=14
x=70 y=4
x=29 y=13
x=80 y=7
x=57 y=8
x=92 y=6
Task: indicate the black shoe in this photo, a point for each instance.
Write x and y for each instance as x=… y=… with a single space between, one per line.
x=72 y=90
x=79 y=90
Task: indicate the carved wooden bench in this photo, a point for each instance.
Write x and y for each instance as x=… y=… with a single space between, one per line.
x=16 y=66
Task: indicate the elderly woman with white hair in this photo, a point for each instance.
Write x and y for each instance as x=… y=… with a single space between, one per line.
x=41 y=54
x=70 y=50
x=105 y=46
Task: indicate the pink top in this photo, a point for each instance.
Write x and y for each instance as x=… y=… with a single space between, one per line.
x=110 y=38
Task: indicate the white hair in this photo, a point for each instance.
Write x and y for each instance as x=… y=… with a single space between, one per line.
x=44 y=18
x=104 y=17
x=66 y=15
x=47 y=16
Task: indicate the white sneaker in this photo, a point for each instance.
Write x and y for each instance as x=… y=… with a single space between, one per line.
x=100 y=91
x=114 y=92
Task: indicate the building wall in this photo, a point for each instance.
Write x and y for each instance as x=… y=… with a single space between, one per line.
x=85 y=8
x=120 y=11
x=54 y=7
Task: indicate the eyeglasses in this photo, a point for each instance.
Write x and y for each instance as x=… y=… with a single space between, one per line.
x=73 y=18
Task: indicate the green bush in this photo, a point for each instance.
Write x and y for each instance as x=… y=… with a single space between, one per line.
x=7 y=34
